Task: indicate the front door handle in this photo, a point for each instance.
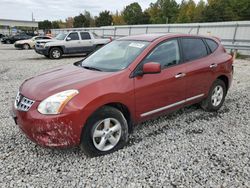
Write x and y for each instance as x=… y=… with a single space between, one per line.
x=180 y=75
x=213 y=65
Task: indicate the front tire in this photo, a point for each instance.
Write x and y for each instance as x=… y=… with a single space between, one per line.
x=105 y=132
x=26 y=46
x=216 y=97
x=55 y=53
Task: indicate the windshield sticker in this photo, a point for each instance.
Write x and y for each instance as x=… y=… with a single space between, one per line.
x=137 y=45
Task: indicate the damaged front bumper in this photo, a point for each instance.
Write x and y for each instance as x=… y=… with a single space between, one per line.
x=60 y=131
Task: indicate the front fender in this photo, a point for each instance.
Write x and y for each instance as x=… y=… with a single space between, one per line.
x=87 y=109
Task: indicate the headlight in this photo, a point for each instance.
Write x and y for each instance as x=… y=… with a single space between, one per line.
x=55 y=103
x=42 y=45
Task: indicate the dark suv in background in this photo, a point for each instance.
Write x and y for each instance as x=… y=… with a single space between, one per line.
x=12 y=39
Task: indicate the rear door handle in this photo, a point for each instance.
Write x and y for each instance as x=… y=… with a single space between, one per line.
x=213 y=65
x=180 y=75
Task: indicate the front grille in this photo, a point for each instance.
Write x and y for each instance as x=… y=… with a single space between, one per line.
x=23 y=103
x=39 y=44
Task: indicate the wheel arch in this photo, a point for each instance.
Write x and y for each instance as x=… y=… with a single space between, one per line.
x=60 y=47
x=26 y=44
x=125 y=111
x=119 y=106
x=225 y=79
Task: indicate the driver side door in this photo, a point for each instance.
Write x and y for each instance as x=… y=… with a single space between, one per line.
x=158 y=93
x=73 y=44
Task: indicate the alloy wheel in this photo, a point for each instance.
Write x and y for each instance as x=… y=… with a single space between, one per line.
x=217 y=96
x=107 y=134
x=56 y=54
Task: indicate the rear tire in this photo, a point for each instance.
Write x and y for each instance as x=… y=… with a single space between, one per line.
x=55 y=53
x=104 y=132
x=8 y=42
x=216 y=97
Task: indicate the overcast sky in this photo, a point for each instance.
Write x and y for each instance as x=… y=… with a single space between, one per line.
x=60 y=9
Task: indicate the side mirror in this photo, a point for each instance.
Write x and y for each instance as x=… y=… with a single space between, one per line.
x=151 y=68
x=68 y=39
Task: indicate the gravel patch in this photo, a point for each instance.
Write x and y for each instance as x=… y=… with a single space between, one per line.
x=188 y=148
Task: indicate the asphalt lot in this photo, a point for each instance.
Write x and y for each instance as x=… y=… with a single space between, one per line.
x=189 y=148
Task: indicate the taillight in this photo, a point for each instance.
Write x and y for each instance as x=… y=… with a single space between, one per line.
x=110 y=38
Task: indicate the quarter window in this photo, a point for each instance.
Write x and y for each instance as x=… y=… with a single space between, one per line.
x=167 y=54
x=211 y=44
x=193 y=48
x=74 y=36
x=85 y=36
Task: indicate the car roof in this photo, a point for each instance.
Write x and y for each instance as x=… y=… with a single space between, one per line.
x=153 y=37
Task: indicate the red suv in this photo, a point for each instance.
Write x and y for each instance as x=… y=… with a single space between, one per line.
x=96 y=102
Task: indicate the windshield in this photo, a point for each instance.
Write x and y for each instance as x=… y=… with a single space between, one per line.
x=115 y=56
x=61 y=36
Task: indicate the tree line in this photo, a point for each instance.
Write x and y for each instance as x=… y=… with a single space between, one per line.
x=160 y=12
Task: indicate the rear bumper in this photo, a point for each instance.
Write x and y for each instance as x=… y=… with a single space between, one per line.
x=19 y=46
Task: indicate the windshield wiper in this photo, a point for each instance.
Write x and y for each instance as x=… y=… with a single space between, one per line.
x=92 y=68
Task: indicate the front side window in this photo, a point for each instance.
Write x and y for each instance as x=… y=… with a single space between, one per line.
x=74 y=36
x=167 y=54
x=193 y=48
x=115 y=56
x=85 y=36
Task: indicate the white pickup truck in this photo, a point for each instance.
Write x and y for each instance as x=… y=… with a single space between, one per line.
x=70 y=43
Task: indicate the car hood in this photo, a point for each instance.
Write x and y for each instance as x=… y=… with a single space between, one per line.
x=23 y=41
x=59 y=79
x=46 y=41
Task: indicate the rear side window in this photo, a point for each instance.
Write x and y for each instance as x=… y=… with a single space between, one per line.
x=85 y=36
x=167 y=54
x=212 y=44
x=193 y=48
x=74 y=36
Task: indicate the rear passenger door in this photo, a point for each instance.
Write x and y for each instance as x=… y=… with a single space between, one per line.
x=199 y=75
x=86 y=42
x=73 y=43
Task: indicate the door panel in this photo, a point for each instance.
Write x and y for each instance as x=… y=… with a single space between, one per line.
x=86 y=42
x=74 y=45
x=155 y=91
x=199 y=75
x=158 y=93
